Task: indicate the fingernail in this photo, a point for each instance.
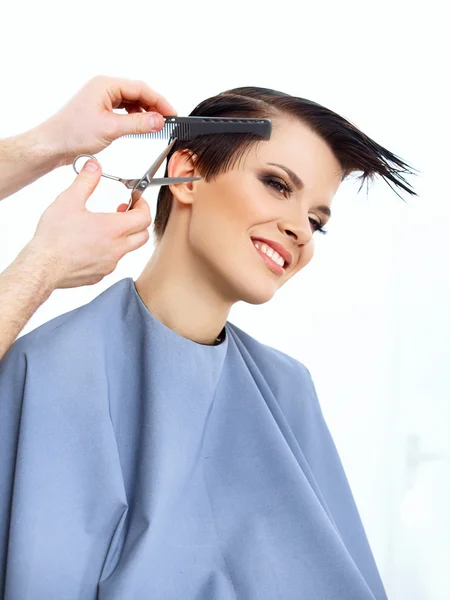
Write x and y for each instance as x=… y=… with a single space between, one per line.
x=155 y=121
x=91 y=165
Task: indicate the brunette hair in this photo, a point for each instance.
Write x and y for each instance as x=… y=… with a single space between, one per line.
x=216 y=154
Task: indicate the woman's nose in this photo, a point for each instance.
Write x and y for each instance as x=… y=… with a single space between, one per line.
x=299 y=228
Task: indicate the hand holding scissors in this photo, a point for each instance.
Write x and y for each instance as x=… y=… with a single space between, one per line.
x=138 y=186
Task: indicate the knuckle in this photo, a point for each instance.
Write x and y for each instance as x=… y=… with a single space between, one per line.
x=99 y=79
x=144 y=212
x=111 y=128
x=95 y=279
x=142 y=238
x=121 y=231
x=138 y=123
x=110 y=268
x=94 y=81
x=118 y=254
x=84 y=178
x=113 y=257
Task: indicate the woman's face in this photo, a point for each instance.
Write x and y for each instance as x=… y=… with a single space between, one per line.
x=252 y=228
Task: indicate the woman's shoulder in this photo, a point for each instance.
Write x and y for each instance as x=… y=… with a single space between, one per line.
x=288 y=379
x=273 y=362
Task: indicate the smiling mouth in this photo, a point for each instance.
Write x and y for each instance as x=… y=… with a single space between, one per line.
x=273 y=260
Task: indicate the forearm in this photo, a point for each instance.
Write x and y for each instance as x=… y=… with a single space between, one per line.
x=24 y=286
x=26 y=157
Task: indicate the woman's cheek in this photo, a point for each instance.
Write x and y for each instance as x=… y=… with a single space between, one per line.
x=307 y=254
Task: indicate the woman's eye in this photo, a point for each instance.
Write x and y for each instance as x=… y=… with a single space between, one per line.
x=317 y=225
x=281 y=187
x=278 y=185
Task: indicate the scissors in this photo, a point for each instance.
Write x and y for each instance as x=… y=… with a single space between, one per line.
x=138 y=186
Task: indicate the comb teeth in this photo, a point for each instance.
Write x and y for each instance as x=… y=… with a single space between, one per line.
x=171 y=130
x=182 y=132
x=185 y=128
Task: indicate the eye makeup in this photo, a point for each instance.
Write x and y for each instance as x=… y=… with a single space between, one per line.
x=279 y=185
x=276 y=182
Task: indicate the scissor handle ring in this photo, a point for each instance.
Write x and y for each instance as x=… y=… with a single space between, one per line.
x=81 y=156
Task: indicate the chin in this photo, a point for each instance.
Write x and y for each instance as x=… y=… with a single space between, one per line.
x=257 y=293
x=252 y=286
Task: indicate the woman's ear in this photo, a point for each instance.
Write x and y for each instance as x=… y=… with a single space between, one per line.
x=182 y=164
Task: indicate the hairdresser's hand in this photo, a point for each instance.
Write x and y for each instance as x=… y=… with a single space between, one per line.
x=87 y=123
x=79 y=247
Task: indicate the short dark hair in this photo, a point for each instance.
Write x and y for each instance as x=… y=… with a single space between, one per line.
x=216 y=154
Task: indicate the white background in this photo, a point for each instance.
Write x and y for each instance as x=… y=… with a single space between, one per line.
x=370 y=315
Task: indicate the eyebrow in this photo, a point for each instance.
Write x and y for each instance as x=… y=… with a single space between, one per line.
x=300 y=185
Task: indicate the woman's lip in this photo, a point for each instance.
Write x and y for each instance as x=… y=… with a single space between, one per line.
x=273 y=266
x=285 y=254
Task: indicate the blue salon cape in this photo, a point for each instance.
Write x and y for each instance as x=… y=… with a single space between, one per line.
x=139 y=465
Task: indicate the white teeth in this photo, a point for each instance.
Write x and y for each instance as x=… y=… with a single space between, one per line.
x=270 y=252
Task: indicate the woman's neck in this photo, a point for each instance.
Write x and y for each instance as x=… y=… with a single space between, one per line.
x=175 y=292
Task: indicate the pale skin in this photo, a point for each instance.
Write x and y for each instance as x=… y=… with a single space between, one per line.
x=206 y=260
x=73 y=247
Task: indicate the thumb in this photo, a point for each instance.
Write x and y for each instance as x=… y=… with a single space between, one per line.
x=86 y=181
x=139 y=122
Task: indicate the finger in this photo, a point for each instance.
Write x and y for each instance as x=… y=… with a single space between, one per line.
x=140 y=93
x=135 y=220
x=86 y=181
x=136 y=240
x=136 y=122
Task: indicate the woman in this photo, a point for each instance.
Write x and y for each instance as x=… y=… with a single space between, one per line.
x=150 y=448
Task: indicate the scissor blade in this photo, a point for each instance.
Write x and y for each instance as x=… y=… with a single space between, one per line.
x=172 y=180
x=159 y=161
x=146 y=180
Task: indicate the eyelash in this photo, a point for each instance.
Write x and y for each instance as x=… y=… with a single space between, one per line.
x=282 y=186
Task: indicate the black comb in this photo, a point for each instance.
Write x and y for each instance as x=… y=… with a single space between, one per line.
x=186 y=128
